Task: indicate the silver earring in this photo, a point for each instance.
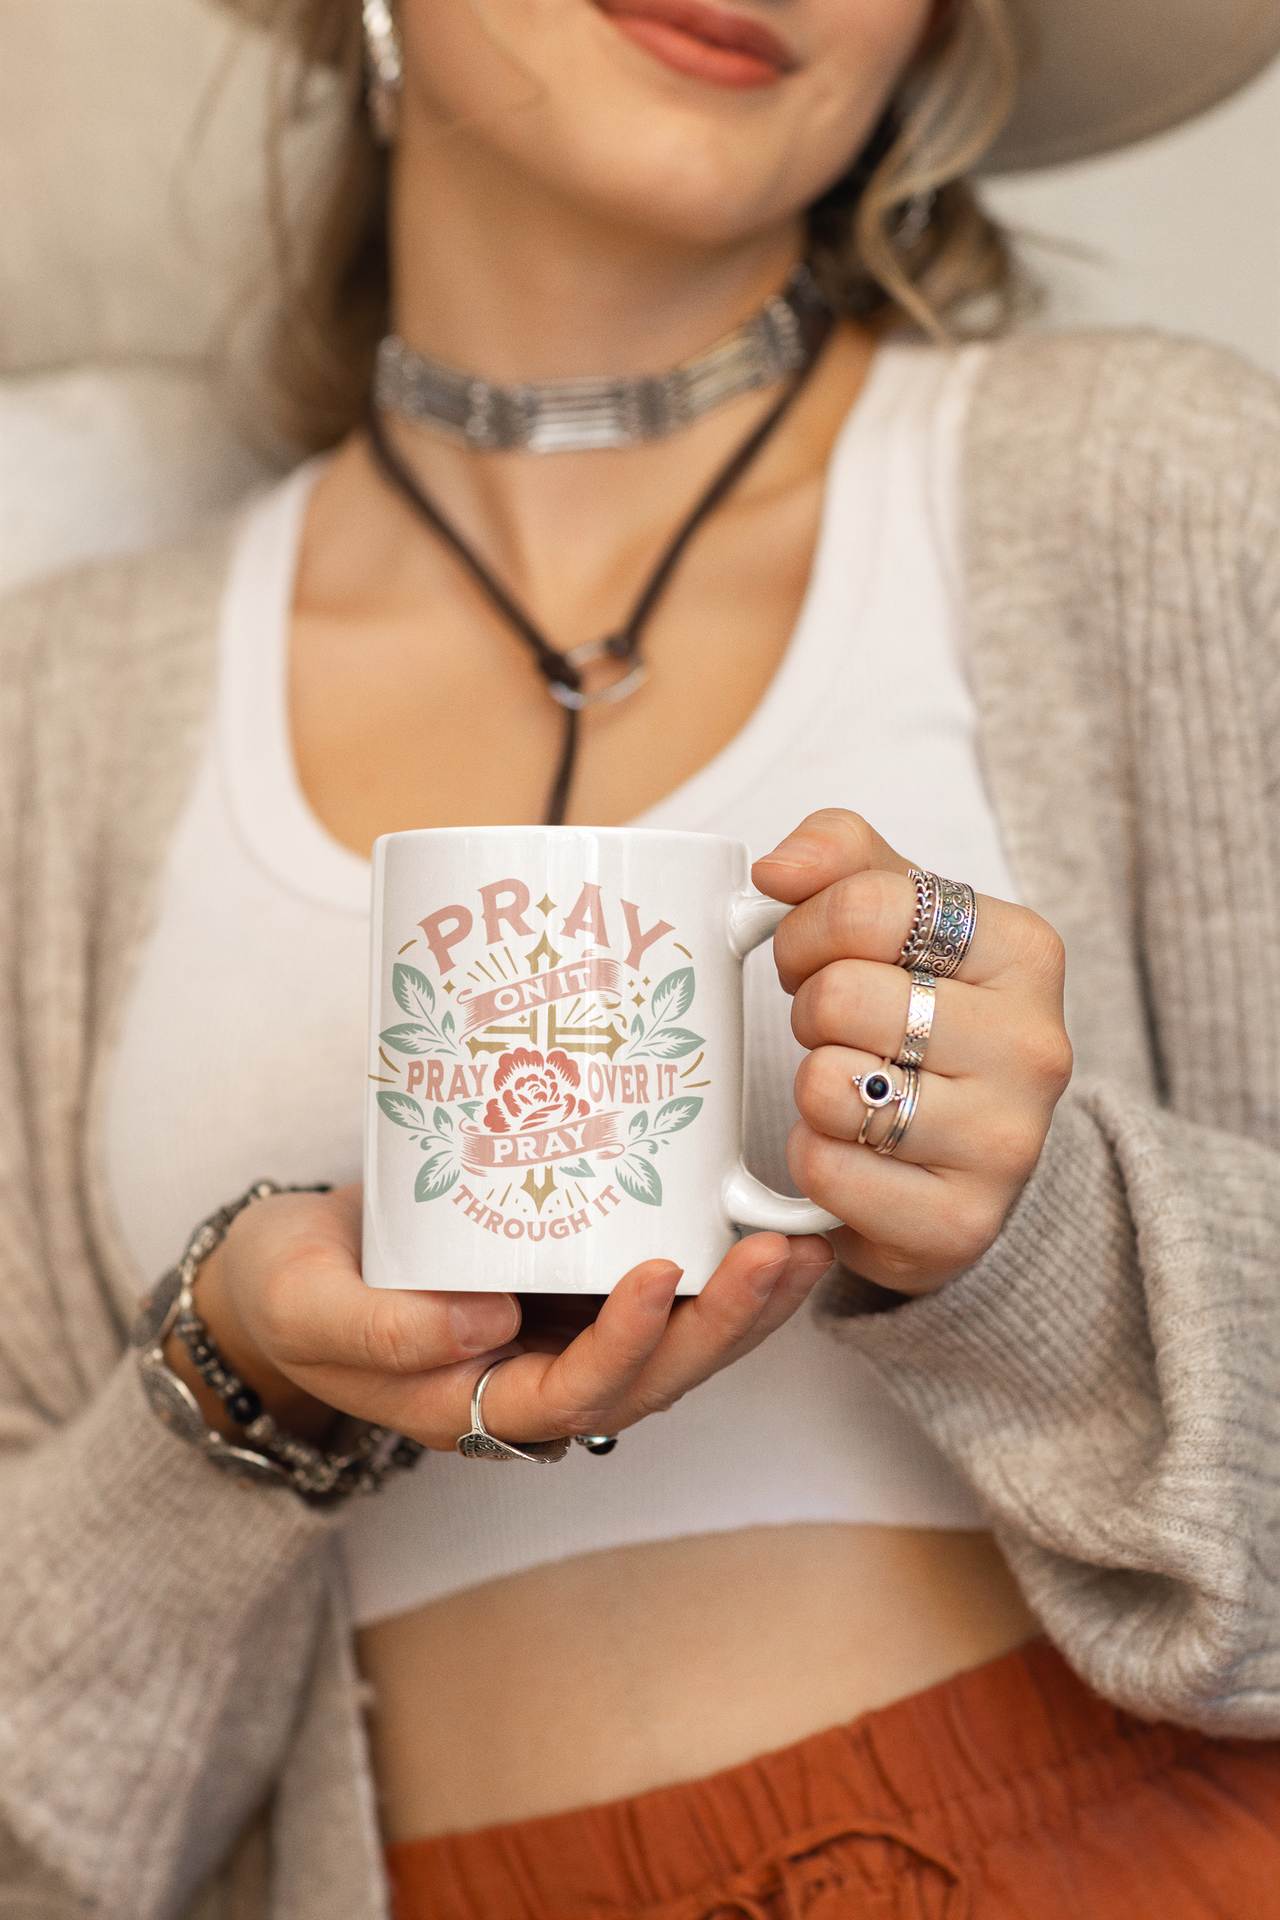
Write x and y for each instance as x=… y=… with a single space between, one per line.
x=383 y=69
x=914 y=224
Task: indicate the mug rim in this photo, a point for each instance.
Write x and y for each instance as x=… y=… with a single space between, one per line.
x=566 y=833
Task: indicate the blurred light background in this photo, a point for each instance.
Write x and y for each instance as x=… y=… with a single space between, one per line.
x=1182 y=232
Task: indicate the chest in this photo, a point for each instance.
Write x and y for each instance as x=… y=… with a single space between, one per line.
x=436 y=714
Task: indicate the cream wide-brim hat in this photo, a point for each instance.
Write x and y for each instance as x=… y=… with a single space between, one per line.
x=132 y=136
x=1105 y=73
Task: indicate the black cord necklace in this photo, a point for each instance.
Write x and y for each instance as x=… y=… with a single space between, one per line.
x=563 y=671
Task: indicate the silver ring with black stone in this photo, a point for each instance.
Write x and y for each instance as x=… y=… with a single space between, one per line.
x=877 y=1090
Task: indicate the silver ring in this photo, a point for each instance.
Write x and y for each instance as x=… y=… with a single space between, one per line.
x=906 y=1112
x=480 y=1444
x=941 y=933
x=920 y=1011
x=876 y=1090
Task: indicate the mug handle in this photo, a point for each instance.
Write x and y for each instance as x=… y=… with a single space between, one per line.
x=753 y=919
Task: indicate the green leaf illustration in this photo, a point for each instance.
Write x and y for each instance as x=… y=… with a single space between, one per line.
x=673 y=996
x=640 y=1180
x=580 y=1169
x=470 y=1107
x=403 y=1109
x=677 y=1113
x=411 y=1036
x=447 y=1025
x=443 y=1119
x=637 y=1027
x=413 y=992
x=671 y=1043
x=435 y=1177
x=640 y=1123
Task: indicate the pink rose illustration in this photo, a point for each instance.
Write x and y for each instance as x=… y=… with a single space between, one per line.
x=533 y=1092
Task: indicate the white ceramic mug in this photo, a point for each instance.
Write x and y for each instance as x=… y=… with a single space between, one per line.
x=555 y=1058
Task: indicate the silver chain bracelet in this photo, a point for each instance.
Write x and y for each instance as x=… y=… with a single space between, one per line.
x=276 y=1458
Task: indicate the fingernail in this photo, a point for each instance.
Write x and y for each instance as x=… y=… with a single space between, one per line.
x=791 y=853
x=804 y=1275
x=765 y=1279
x=479 y=1321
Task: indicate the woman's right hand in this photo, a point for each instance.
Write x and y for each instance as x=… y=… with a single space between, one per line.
x=284 y=1302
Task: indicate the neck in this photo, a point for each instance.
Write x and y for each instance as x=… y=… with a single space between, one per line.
x=496 y=277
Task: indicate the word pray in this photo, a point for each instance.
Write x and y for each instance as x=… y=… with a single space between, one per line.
x=433 y=1072
x=507 y=901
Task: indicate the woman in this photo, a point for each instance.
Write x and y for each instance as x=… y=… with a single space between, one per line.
x=781 y=1651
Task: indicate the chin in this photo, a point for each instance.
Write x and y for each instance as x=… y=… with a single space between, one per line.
x=557 y=94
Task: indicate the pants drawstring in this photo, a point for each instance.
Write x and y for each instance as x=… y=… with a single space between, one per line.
x=787 y=1884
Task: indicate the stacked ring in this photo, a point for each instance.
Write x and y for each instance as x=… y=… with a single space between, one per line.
x=920 y=1011
x=877 y=1091
x=906 y=1113
x=943 y=927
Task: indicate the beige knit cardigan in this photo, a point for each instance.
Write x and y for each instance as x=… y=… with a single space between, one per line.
x=173 y=1649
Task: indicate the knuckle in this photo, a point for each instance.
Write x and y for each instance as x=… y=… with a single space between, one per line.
x=1011 y=1143
x=804 y=1155
x=849 y=827
x=824 y=1096
x=974 y=1227
x=806 y=1088
x=859 y=837
x=897 y=1262
x=1042 y=953
x=575 y=1420
x=281 y=1303
x=653 y=1402
x=855 y=908
x=826 y=1002
x=386 y=1342
x=1041 y=1053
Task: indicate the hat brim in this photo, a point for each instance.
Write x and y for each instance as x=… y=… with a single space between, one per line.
x=1104 y=73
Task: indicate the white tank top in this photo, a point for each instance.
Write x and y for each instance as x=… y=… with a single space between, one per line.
x=242 y=1047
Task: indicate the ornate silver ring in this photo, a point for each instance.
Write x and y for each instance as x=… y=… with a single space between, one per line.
x=942 y=931
x=480 y=1444
x=920 y=1011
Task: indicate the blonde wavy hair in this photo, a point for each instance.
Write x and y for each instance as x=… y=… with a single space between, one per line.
x=901 y=239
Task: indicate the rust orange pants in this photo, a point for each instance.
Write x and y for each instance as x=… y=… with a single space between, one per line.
x=1011 y=1791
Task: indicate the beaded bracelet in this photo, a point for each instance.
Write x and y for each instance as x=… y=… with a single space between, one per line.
x=277 y=1458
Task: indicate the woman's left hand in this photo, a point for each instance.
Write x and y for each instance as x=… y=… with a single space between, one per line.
x=997 y=1061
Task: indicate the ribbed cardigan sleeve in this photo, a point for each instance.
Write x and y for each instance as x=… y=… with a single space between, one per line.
x=1108 y=1376
x=158 y=1623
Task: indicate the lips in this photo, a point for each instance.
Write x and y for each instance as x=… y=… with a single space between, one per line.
x=704 y=42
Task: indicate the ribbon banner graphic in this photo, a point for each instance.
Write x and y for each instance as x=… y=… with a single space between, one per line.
x=575 y=977
x=537 y=1146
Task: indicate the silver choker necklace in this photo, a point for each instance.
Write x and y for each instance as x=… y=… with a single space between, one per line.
x=565 y=416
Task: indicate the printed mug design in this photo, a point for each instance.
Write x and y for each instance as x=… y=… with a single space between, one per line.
x=521 y=1074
